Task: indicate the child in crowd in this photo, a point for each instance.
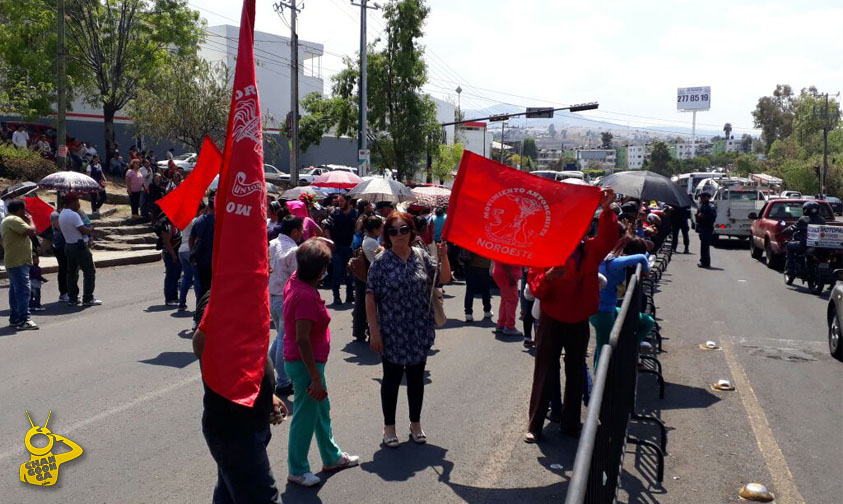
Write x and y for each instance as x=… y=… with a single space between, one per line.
x=36 y=280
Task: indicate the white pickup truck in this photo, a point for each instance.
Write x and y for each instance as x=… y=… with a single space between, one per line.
x=734 y=204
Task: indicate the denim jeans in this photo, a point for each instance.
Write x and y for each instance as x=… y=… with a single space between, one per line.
x=190 y=277
x=172 y=272
x=19 y=294
x=276 y=350
x=340 y=259
x=35 y=298
x=243 y=470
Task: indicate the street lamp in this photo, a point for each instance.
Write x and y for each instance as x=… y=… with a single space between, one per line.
x=459 y=109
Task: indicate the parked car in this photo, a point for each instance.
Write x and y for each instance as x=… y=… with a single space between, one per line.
x=767 y=237
x=834 y=317
x=308 y=175
x=274 y=175
x=185 y=161
x=791 y=194
x=836 y=204
x=349 y=169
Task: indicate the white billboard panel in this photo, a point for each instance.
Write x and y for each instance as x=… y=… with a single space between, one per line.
x=693 y=98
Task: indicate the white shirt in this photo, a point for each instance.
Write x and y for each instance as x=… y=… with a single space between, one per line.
x=369 y=246
x=69 y=223
x=185 y=243
x=20 y=139
x=282 y=260
x=146 y=173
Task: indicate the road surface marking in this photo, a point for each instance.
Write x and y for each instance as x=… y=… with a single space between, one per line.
x=151 y=396
x=785 y=487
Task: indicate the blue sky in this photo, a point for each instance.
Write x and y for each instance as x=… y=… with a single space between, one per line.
x=628 y=55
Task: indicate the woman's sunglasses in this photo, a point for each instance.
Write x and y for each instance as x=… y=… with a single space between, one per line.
x=394 y=231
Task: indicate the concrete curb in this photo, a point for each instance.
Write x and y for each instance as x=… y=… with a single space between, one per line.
x=143 y=257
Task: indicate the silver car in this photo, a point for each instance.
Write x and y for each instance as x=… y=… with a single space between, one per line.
x=835 y=316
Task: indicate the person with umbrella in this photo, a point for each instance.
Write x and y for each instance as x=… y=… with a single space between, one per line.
x=17 y=230
x=706 y=215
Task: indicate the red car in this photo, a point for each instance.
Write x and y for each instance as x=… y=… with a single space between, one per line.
x=768 y=226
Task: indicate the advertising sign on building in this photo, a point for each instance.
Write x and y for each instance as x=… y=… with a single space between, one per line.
x=693 y=98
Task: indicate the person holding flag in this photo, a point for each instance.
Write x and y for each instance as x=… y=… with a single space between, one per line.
x=569 y=295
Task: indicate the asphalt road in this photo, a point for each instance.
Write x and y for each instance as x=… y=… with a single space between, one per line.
x=782 y=427
x=121 y=381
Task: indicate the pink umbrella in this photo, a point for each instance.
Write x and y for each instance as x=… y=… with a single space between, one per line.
x=432 y=196
x=337 y=179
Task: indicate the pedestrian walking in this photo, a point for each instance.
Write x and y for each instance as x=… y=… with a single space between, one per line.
x=17 y=230
x=77 y=237
x=398 y=307
x=202 y=244
x=169 y=241
x=569 y=295
x=339 y=228
x=307 y=341
x=506 y=277
x=477 y=282
x=237 y=435
x=190 y=276
x=282 y=265
x=61 y=258
x=134 y=186
x=98 y=198
x=706 y=215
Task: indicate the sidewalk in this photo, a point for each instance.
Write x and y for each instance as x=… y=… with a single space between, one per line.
x=102 y=259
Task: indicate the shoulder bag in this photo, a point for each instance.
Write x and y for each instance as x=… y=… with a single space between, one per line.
x=436 y=302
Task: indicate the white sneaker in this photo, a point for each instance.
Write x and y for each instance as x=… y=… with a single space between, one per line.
x=344 y=462
x=307 y=479
x=92 y=302
x=488 y=315
x=469 y=317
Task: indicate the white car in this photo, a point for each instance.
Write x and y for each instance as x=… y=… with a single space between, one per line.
x=349 y=169
x=185 y=162
x=308 y=175
x=274 y=175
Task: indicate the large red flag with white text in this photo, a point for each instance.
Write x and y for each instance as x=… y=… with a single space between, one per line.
x=181 y=203
x=236 y=321
x=514 y=217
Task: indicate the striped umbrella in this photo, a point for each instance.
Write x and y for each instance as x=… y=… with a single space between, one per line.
x=337 y=179
x=432 y=196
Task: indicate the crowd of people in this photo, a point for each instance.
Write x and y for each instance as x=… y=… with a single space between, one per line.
x=388 y=260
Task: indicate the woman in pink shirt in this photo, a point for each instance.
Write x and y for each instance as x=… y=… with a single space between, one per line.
x=307 y=342
x=134 y=185
x=310 y=228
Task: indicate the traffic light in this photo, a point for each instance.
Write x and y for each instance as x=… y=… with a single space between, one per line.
x=817 y=170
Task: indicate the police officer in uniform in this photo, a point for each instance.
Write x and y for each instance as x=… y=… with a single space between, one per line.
x=706 y=215
x=799 y=243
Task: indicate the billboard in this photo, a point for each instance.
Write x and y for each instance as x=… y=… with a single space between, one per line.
x=693 y=98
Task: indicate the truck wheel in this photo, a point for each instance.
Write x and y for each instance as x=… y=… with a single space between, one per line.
x=754 y=251
x=835 y=345
x=772 y=259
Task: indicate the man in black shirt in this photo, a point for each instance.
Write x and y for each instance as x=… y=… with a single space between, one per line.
x=339 y=227
x=237 y=436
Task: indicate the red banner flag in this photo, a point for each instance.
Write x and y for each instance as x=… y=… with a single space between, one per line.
x=236 y=321
x=514 y=217
x=40 y=212
x=181 y=203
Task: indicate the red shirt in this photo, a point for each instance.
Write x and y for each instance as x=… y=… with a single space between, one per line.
x=575 y=296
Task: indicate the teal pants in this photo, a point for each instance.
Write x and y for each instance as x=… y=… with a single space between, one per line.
x=309 y=417
x=603 y=323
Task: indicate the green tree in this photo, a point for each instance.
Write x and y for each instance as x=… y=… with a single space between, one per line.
x=530 y=149
x=727 y=129
x=190 y=99
x=659 y=160
x=121 y=46
x=606 y=140
x=551 y=131
x=774 y=115
x=446 y=161
x=746 y=143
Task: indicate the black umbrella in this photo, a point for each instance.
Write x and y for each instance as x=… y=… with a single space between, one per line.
x=648 y=186
x=18 y=190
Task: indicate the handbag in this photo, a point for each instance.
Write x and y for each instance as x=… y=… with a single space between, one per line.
x=358 y=265
x=436 y=302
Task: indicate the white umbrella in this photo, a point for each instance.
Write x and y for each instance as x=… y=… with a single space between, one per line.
x=296 y=192
x=432 y=196
x=381 y=189
x=69 y=182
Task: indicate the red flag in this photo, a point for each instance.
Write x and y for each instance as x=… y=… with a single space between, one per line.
x=181 y=204
x=236 y=321
x=40 y=212
x=514 y=217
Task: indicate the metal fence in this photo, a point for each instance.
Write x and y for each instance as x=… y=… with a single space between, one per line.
x=599 y=460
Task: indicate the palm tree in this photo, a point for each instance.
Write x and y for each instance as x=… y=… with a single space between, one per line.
x=727 y=128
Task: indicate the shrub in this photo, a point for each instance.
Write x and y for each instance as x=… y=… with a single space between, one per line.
x=23 y=164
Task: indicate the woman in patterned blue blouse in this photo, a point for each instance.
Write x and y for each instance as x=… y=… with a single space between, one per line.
x=400 y=317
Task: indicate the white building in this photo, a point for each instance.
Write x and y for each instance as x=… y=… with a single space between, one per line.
x=445 y=112
x=605 y=157
x=475 y=138
x=686 y=150
x=733 y=145
x=636 y=155
x=547 y=157
x=272 y=67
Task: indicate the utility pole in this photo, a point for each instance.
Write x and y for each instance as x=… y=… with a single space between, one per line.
x=294 y=89
x=363 y=93
x=61 y=70
x=829 y=116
